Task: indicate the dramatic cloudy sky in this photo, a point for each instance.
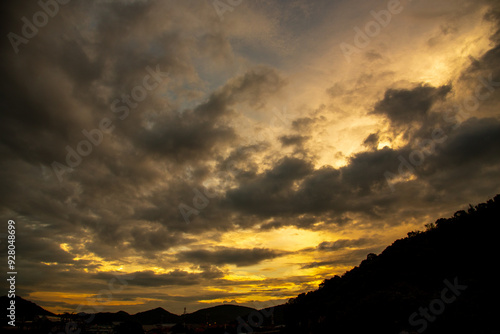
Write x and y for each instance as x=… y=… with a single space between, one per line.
x=185 y=154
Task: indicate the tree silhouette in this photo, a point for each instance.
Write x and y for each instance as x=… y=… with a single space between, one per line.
x=381 y=293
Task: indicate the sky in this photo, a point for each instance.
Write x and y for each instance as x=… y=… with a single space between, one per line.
x=191 y=153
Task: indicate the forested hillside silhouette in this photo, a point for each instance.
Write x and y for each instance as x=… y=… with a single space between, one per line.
x=403 y=288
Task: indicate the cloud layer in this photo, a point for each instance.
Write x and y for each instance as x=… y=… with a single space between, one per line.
x=240 y=158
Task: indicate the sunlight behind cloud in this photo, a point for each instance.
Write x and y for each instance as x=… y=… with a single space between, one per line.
x=240 y=155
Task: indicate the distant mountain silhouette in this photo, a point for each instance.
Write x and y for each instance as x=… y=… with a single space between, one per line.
x=219 y=314
x=25 y=310
x=156 y=316
x=108 y=317
x=443 y=280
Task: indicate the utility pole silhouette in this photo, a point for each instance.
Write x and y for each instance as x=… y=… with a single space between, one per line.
x=184 y=318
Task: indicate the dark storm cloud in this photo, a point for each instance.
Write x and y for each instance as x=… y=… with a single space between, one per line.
x=237 y=256
x=43 y=250
x=241 y=161
x=339 y=245
x=342 y=244
x=293 y=140
x=367 y=169
x=306 y=124
x=54 y=276
x=152 y=279
x=489 y=62
x=404 y=106
x=493 y=15
x=185 y=136
x=475 y=141
x=193 y=134
x=159 y=239
x=348 y=259
x=56 y=91
x=319 y=192
x=362 y=185
x=51 y=117
x=470 y=155
x=488 y=65
x=305 y=221
x=254 y=86
x=66 y=80
x=315 y=191
x=372 y=140
x=52 y=90
x=162 y=206
x=270 y=191
x=50 y=85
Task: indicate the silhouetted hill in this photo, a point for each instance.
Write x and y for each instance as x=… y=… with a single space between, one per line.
x=219 y=314
x=277 y=316
x=442 y=280
x=108 y=317
x=156 y=316
x=24 y=309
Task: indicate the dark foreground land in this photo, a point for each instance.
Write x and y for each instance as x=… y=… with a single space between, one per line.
x=442 y=280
